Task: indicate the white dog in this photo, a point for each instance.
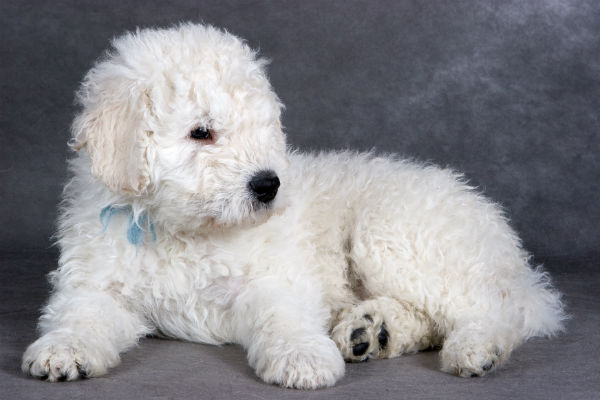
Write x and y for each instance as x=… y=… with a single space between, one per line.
x=175 y=223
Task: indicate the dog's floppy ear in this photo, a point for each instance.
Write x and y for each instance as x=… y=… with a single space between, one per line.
x=111 y=128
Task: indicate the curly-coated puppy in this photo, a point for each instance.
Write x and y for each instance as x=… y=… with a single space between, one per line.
x=186 y=216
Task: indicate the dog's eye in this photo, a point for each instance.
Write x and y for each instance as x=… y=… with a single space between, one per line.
x=201 y=134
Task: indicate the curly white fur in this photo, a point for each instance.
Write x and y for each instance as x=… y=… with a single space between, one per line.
x=358 y=256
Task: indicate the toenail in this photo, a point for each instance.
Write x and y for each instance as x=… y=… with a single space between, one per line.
x=488 y=366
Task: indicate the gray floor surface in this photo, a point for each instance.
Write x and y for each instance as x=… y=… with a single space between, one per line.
x=565 y=367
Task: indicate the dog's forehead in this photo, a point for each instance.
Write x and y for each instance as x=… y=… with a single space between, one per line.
x=197 y=75
x=203 y=55
x=212 y=78
x=192 y=98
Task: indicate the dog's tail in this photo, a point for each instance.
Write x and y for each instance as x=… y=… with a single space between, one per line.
x=543 y=310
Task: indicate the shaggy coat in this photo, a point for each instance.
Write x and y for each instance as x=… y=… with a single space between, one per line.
x=162 y=231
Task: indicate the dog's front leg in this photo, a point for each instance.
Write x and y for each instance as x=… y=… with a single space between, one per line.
x=83 y=332
x=283 y=328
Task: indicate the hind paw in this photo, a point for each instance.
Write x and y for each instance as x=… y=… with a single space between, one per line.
x=361 y=337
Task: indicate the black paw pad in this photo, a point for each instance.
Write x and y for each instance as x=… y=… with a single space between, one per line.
x=488 y=366
x=44 y=377
x=62 y=378
x=360 y=349
x=383 y=337
x=357 y=333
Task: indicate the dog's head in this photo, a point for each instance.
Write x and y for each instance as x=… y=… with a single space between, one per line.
x=184 y=121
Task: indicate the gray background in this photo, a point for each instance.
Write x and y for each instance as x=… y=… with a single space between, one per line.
x=506 y=91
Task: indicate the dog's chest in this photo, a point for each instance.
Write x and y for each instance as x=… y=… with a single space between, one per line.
x=187 y=287
x=180 y=271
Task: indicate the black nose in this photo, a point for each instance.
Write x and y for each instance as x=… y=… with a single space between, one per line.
x=264 y=186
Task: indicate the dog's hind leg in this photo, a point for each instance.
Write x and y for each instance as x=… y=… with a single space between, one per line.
x=382 y=327
x=477 y=347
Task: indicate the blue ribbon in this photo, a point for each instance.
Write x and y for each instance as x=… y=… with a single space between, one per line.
x=135 y=233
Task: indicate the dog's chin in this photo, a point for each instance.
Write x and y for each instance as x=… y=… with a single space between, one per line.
x=260 y=213
x=256 y=214
x=263 y=213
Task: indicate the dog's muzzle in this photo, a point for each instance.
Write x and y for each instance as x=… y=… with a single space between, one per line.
x=264 y=186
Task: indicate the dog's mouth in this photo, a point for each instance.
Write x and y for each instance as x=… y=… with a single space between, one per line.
x=251 y=211
x=261 y=211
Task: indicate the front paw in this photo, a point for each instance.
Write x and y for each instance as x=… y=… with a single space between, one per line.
x=61 y=356
x=308 y=364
